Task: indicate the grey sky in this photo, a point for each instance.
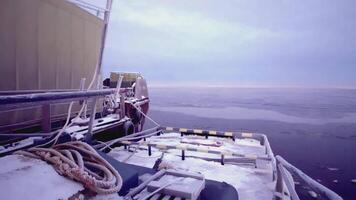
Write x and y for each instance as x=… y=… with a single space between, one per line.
x=308 y=43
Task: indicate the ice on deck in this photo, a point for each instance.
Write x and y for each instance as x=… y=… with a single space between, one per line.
x=26 y=178
x=250 y=182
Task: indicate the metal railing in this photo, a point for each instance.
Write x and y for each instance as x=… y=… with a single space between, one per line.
x=9 y=102
x=46 y=99
x=283 y=172
x=96 y=10
x=286 y=186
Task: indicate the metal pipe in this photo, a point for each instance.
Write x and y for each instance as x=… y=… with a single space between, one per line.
x=104 y=32
x=26 y=134
x=91 y=122
x=17 y=92
x=28 y=100
x=122 y=106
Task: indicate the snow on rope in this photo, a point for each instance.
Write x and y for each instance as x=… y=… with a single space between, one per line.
x=80 y=162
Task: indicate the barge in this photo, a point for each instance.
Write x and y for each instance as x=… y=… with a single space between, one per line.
x=89 y=141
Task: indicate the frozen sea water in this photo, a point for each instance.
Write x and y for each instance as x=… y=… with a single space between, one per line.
x=314 y=129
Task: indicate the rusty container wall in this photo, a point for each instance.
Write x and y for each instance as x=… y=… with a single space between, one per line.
x=46 y=44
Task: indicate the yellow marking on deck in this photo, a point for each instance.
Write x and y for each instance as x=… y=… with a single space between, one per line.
x=212 y=132
x=228 y=133
x=197 y=131
x=169 y=128
x=251 y=156
x=183 y=130
x=246 y=135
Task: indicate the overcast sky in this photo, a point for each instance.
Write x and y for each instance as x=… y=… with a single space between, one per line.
x=306 y=43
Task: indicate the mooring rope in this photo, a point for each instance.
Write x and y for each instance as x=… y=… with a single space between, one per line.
x=80 y=162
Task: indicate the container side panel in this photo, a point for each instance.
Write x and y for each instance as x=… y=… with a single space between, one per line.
x=47 y=45
x=64 y=47
x=91 y=48
x=7 y=45
x=26 y=44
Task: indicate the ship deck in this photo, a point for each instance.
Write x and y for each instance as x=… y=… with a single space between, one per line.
x=241 y=163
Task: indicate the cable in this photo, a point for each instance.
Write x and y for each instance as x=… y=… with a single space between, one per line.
x=127 y=139
x=153 y=121
x=83 y=108
x=107 y=146
x=94 y=76
x=145 y=132
x=55 y=139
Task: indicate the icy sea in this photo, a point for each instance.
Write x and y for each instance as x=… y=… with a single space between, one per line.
x=314 y=129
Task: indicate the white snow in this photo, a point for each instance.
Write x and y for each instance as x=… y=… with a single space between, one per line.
x=250 y=182
x=26 y=178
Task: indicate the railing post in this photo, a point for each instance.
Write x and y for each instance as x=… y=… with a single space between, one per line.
x=82 y=88
x=122 y=106
x=279 y=183
x=92 y=118
x=93 y=112
x=46 y=118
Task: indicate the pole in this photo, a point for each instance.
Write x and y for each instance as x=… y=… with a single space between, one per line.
x=103 y=37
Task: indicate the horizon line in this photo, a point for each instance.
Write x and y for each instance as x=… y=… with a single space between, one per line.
x=192 y=85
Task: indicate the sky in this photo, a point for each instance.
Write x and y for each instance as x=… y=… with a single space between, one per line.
x=278 y=43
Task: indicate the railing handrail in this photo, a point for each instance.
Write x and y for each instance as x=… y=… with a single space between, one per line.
x=88 y=5
x=9 y=102
x=283 y=165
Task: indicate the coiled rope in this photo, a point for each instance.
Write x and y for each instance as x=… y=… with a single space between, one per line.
x=80 y=162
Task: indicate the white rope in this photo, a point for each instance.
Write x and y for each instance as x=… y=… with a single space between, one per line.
x=153 y=121
x=83 y=108
x=55 y=139
x=127 y=139
x=70 y=159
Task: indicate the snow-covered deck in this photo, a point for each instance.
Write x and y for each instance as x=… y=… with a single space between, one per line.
x=247 y=166
x=252 y=180
x=27 y=178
